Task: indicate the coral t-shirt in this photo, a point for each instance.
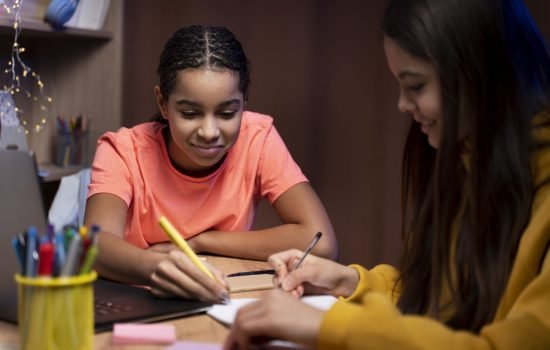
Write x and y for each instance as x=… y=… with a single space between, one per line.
x=134 y=165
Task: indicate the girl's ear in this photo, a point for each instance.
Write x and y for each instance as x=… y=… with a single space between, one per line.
x=161 y=102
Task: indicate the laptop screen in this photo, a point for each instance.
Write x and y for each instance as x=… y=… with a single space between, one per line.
x=21 y=206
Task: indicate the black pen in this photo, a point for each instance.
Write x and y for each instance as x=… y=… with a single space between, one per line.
x=249 y=273
x=309 y=249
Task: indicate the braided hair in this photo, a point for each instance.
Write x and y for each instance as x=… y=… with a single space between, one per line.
x=199 y=46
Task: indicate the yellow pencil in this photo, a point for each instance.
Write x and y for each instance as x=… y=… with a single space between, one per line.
x=178 y=240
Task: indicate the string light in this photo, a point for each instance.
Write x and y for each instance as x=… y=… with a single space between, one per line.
x=21 y=73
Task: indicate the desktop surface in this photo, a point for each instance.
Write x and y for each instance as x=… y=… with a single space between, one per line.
x=201 y=328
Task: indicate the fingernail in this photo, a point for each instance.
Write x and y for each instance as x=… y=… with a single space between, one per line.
x=226 y=300
x=284 y=285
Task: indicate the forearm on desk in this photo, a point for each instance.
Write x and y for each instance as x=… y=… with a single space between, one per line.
x=122 y=261
x=260 y=244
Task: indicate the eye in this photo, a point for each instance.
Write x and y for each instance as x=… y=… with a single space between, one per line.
x=229 y=114
x=190 y=114
x=415 y=87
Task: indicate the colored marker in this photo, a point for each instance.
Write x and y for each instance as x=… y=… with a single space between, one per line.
x=59 y=253
x=32 y=255
x=180 y=242
x=71 y=263
x=45 y=254
x=89 y=260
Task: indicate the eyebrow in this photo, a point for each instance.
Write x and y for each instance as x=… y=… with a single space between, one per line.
x=407 y=73
x=195 y=104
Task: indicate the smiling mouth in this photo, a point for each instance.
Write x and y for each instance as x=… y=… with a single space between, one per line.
x=425 y=125
x=209 y=151
x=423 y=122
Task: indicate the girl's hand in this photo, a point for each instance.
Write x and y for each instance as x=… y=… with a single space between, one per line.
x=176 y=275
x=277 y=316
x=315 y=276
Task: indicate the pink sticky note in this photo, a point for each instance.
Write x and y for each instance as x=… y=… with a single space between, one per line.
x=132 y=333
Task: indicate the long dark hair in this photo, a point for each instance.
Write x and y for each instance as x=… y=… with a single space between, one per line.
x=199 y=46
x=466 y=205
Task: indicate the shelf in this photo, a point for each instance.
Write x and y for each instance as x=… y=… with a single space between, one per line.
x=35 y=28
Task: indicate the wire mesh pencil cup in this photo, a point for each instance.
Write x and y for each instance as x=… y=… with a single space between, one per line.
x=56 y=313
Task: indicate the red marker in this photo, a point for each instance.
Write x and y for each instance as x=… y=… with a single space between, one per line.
x=45 y=259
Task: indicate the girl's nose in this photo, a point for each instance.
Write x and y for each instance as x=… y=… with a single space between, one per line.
x=208 y=129
x=404 y=104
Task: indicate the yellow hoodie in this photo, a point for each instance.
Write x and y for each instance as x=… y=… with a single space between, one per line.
x=368 y=319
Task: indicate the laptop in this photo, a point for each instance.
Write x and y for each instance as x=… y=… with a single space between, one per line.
x=21 y=206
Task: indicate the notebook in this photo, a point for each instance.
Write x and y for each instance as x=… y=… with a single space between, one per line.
x=21 y=206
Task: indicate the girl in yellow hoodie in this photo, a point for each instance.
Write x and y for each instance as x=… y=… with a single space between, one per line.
x=474 y=75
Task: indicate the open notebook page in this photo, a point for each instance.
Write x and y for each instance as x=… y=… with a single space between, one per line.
x=226 y=313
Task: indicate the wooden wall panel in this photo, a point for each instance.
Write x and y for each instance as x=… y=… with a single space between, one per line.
x=318 y=68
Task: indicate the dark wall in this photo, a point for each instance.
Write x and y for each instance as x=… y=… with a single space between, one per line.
x=318 y=68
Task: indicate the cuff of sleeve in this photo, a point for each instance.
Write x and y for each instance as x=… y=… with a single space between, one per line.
x=362 y=286
x=336 y=324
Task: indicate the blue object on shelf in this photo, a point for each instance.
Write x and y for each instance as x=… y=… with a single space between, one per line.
x=60 y=12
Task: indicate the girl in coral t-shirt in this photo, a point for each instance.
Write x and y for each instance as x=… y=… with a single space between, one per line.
x=205 y=163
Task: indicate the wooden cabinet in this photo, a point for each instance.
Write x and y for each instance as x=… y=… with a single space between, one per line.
x=81 y=71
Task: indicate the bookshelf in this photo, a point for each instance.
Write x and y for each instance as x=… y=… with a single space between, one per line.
x=82 y=72
x=36 y=28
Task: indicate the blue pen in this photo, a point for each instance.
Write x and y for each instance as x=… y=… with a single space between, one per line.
x=50 y=233
x=59 y=253
x=32 y=254
x=22 y=239
x=18 y=251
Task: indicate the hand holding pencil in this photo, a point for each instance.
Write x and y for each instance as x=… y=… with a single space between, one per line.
x=182 y=273
x=302 y=273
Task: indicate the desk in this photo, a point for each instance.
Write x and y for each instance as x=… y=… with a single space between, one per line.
x=195 y=328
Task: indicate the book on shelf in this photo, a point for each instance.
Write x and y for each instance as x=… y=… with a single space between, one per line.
x=89 y=14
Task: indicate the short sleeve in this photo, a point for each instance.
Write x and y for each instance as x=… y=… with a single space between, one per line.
x=110 y=170
x=278 y=171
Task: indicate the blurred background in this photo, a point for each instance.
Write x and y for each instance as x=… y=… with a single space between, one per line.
x=319 y=69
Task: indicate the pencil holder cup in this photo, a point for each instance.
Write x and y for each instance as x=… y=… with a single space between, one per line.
x=71 y=148
x=56 y=313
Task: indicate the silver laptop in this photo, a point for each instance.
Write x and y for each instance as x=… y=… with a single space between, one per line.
x=21 y=206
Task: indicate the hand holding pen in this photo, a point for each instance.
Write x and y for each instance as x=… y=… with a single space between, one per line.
x=183 y=274
x=301 y=273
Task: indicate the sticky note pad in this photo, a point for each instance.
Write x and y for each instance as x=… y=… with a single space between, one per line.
x=132 y=333
x=250 y=283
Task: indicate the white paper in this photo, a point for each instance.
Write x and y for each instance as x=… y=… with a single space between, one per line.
x=226 y=313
